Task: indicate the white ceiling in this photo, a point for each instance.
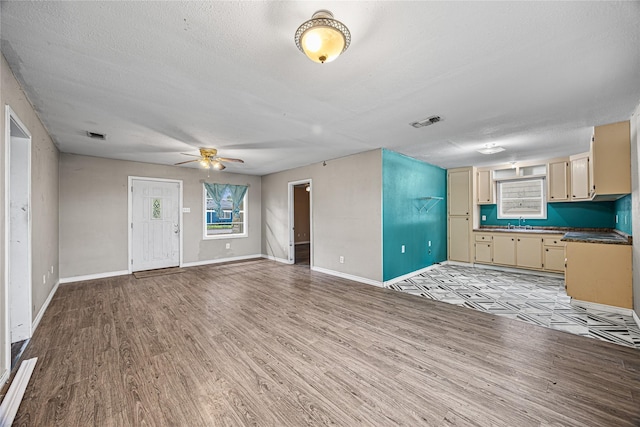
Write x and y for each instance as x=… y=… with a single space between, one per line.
x=161 y=78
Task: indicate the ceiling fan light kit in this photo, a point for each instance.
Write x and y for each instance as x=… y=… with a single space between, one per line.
x=322 y=38
x=209 y=159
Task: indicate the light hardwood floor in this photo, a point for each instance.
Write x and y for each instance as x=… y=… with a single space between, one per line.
x=262 y=343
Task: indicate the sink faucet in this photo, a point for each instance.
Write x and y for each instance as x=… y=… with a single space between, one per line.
x=520 y=220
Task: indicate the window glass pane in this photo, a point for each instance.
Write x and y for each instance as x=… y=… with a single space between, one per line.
x=522 y=198
x=221 y=222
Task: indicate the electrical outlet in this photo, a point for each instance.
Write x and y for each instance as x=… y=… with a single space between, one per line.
x=341 y=259
x=228 y=246
x=616 y=219
x=429 y=243
x=52 y=269
x=44 y=279
x=402 y=250
x=484 y=217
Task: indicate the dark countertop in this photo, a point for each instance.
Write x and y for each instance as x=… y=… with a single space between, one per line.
x=584 y=235
x=613 y=237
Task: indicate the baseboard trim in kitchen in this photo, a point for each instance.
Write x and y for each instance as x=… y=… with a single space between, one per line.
x=604 y=307
x=409 y=275
x=519 y=270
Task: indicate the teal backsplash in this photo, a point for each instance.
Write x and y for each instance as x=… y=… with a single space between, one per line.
x=404 y=181
x=623 y=212
x=571 y=214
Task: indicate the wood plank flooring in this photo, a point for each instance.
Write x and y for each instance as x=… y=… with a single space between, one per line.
x=266 y=344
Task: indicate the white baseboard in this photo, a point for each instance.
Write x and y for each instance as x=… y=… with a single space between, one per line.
x=517 y=270
x=348 y=276
x=13 y=398
x=44 y=307
x=409 y=275
x=460 y=263
x=272 y=258
x=636 y=318
x=93 y=276
x=603 y=307
x=220 y=260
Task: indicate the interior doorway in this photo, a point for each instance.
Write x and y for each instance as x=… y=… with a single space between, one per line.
x=301 y=223
x=17 y=232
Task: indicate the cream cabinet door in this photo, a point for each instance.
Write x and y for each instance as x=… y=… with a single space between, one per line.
x=483 y=252
x=554 y=258
x=558 y=181
x=529 y=252
x=459 y=239
x=485 y=190
x=459 y=192
x=580 y=177
x=504 y=249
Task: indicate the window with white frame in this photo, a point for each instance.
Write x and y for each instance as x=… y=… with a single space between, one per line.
x=522 y=198
x=220 y=222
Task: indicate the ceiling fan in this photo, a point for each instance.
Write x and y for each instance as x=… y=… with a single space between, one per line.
x=209 y=159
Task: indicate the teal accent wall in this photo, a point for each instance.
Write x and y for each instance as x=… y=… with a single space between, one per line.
x=623 y=211
x=404 y=181
x=571 y=214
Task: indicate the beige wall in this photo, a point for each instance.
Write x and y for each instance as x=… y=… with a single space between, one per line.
x=44 y=196
x=346 y=208
x=635 y=206
x=94 y=214
x=301 y=215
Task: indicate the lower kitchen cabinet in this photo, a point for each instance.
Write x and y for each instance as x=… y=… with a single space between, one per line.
x=504 y=249
x=483 y=252
x=459 y=239
x=553 y=254
x=599 y=273
x=529 y=252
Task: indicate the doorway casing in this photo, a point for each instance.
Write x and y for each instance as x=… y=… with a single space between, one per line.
x=17 y=245
x=292 y=236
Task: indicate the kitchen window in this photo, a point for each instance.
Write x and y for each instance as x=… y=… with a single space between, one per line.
x=522 y=198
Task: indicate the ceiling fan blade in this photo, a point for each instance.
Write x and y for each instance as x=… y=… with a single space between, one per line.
x=226 y=159
x=188 y=161
x=187 y=154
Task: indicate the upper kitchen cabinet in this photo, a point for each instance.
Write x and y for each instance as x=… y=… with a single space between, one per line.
x=484 y=189
x=459 y=196
x=611 y=161
x=580 y=180
x=558 y=180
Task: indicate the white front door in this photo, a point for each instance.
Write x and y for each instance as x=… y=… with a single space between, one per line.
x=155 y=224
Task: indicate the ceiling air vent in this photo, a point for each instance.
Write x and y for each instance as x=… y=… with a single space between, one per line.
x=426 y=122
x=96 y=135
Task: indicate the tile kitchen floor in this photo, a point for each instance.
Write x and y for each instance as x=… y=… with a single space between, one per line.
x=540 y=300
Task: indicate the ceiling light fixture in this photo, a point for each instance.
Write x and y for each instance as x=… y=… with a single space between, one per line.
x=491 y=149
x=308 y=188
x=322 y=38
x=426 y=122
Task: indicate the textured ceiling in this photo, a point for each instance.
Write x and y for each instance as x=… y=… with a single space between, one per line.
x=161 y=78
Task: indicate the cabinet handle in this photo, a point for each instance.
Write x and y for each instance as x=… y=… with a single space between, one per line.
x=512 y=240
x=518 y=240
x=552 y=197
x=547 y=250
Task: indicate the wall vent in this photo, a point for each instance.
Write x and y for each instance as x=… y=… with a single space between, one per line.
x=97 y=135
x=426 y=122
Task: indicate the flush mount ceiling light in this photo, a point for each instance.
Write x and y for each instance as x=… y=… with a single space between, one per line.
x=491 y=149
x=322 y=38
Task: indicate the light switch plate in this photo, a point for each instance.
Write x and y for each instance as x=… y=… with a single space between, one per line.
x=186 y=210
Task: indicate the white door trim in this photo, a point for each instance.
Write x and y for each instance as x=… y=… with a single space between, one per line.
x=130 y=213
x=11 y=115
x=292 y=240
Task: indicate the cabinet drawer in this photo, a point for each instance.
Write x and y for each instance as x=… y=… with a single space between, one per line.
x=483 y=237
x=553 y=241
